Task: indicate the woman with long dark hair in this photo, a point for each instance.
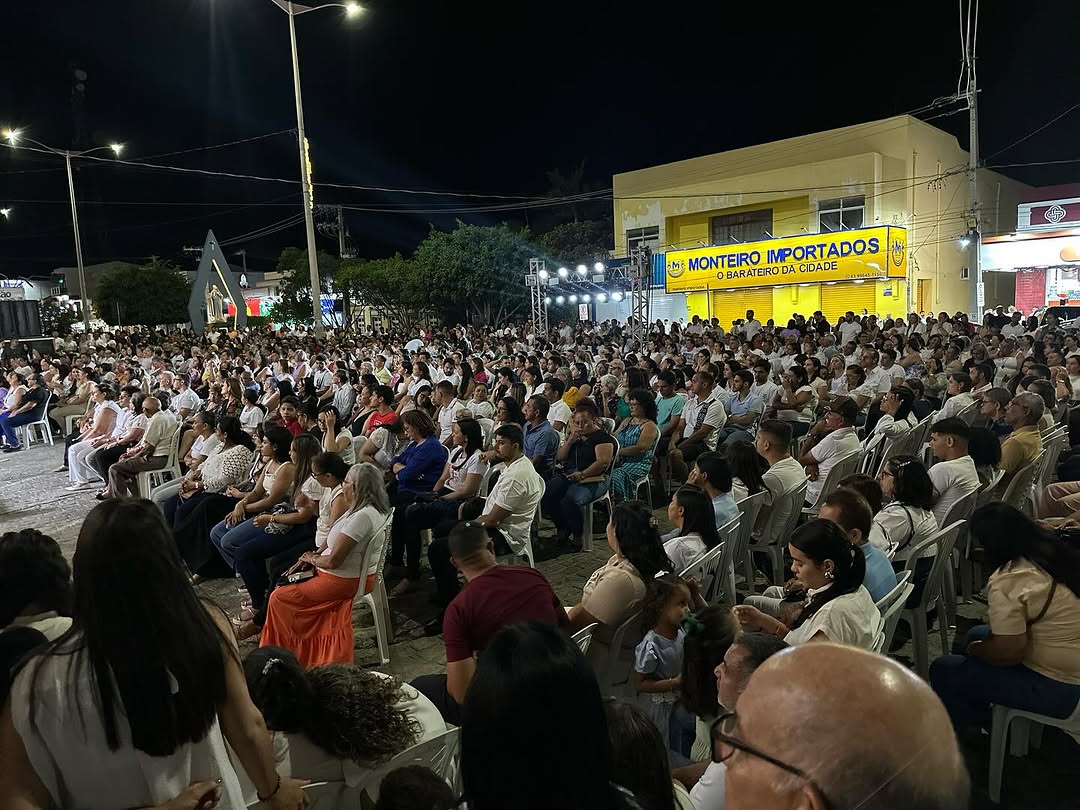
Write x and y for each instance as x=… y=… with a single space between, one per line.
x=1028 y=656
x=639 y=756
x=840 y=608
x=531 y=685
x=747 y=469
x=617 y=589
x=691 y=513
x=152 y=675
x=908 y=518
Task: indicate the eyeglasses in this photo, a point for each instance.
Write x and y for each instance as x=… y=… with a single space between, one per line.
x=723 y=738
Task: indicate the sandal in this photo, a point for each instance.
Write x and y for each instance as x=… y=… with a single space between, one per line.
x=246 y=630
x=402 y=588
x=247 y=614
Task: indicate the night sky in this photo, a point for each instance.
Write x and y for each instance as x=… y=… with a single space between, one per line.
x=465 y=96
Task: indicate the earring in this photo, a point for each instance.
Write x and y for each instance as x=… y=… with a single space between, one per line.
x=828 y=575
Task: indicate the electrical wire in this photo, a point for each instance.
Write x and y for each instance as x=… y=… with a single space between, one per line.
x=1034 y=132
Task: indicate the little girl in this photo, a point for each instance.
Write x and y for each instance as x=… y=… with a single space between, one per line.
x=658 y=658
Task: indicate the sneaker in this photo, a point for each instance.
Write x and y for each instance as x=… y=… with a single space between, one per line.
x=76 y=487
x=14 y=449
x=60 y=469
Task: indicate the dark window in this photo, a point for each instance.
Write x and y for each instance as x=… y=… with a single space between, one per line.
x=751 y=226
x=841 y=214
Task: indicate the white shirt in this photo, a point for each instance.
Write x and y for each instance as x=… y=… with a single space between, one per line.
x=952 y=481
x=360 y=528
x=460 y=468
x=447 y=414
x=879 y=380
x=1013 y=330
x=559 y=412
x=849 y=619
x=185 y=399
x=251 y=417
x=953 y=406
x=714 y=416
x=751 y=328
x=780 y=479
x=682 y=551
x=766 y=391
x=518 y=491
x=709 y=792
x=905 y=527
x=203 y=447
x=837 y=444
x=849 y=331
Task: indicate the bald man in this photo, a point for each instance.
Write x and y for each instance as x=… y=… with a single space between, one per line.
x=844 y=728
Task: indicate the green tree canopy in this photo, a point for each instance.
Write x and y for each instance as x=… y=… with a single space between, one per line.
x=294 y=290
x=478 y=268
x=151 y=295
x=587 y=241
x=394 y=286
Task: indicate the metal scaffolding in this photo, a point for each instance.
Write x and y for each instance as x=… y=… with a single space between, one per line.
x=536 y=281
x=639 y=274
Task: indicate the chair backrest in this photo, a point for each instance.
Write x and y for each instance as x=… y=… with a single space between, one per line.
x=174 y=449
x=962 y=509
x=749 y=509
x=1019 y=488
x=841 y=469
x=614 y=668
x=1053 y=443
x=942 y=542
x=906 y=444
x=614 y=456
x=485 y=480
x=794 y=499
x=723 y=581
x=968 y=414
x=891 y=616
x=583 y=637
x=439 y=754
x=886 y=601
x=708 y=568
x=487 y=427
x=608 y=423
x=377 y=548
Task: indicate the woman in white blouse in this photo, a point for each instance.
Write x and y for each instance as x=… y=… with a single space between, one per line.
x=897 y=418
x=224 y=468
x=691 y=513
x=837 y=608
x=313 y=618
x=908 y=519
x=252 y=414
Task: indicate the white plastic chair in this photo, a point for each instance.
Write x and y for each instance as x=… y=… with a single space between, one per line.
x=841 y=469
x=524 y=550
x=1027 y=728
x=583 y=637
x=376 y=598
x=749 y=509
x=146 y=481
x=644 y=481
x=942 y=541
x=722 y=585
x=1019 y=492
x=587 y=532
x=708 y=568
x=776 y=542
x=26 y=432
x=890 y=606
x=439 y=754
x=611 y=665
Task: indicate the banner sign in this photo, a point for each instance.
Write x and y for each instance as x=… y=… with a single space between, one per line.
x=866 y=253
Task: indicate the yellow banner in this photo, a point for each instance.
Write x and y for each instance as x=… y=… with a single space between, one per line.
x=867 y=253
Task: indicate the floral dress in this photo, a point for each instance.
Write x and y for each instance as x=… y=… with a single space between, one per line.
x=631 y=469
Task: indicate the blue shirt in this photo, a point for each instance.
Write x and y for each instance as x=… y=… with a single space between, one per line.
x=542 y=440
x=880 y=577
x=424 y=463
x=668 y=409
x=741 y=407
x=725 y=509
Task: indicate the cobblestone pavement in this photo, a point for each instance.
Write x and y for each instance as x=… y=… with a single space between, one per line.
x=31 y=494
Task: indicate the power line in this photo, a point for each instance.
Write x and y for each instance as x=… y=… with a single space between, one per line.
x=1034 y=132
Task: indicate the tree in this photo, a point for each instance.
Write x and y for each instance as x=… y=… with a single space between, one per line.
x=395 y=286
x=151 y=295
x=477 y=268
x=588 y=241
x=294 y=290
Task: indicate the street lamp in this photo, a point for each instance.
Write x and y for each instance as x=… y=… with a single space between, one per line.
x=293 y=9
x=13 y=136
x=5 y=213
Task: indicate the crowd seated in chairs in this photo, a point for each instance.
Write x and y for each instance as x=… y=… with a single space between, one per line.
x=863 y=485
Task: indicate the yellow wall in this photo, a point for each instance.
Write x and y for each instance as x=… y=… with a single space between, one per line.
x=697 y=304
x=793 y=299
x=890 y=162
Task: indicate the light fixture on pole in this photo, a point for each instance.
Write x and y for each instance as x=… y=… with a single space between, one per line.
x=294 y=9
x=13 y=136
x=582 y=270
x=5 y=213
x=563 y=272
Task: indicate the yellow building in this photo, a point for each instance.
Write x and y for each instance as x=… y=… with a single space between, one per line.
x=789 y=205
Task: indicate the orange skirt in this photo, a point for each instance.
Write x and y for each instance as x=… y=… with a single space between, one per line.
x=313 y=619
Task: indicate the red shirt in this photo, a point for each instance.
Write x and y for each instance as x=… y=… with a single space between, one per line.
x=501 y=596
x=293 y=427
x=377 y=419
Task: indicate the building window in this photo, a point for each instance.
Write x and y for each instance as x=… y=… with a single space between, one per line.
x=643 y=237
x=841 y=214
x=751 y=226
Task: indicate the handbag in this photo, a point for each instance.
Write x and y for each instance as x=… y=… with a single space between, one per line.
x=301 y=572
x=280 y=528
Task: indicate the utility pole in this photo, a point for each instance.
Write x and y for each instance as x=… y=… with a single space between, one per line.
x=346 y=310
x=977 y=299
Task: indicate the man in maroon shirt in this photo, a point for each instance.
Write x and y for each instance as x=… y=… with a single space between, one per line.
x=494 y=596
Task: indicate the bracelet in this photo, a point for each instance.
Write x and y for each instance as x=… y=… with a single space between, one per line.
x=273 y=793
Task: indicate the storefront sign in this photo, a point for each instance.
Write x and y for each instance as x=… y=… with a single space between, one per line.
x=867 y=253
x=1014 y=251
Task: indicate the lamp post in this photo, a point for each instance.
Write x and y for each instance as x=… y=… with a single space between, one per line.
x=293 y=10
x=13 y=136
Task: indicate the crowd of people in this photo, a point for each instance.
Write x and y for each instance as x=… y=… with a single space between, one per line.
x=310 y=467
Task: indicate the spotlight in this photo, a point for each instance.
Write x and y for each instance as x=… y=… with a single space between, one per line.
x=965 y=243
x=582 y=269
x=616 y=296
x=585 y=299
x=599 y=267
x=543 y=275
x=601 y=298
x=560 y=300
x=547 y=300
x=563 y=272
x=573 y=299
